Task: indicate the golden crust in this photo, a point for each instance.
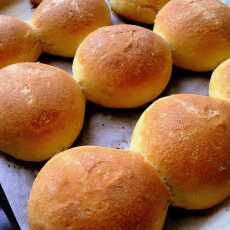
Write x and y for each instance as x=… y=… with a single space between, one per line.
x=97 y=188
x=62 y=25
x=197 y=31
x=186 y=138
x=19 y=43
x=219 y=86
x=122 y=66
x=138 y=10
x=42 y=111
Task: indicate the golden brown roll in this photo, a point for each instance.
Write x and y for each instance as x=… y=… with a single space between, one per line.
x=138 y=10
x=19 y=43
x=97 y=188
x=62 y=25
x=186 y=139
x=41 y=111
x=122 y=66
x=219 y=86
x=197 y=31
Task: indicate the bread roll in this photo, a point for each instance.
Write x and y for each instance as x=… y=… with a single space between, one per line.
x=41 y=111
x=62 y=25
x=219 y=86
x=197 y=31
x=138 y=10
x=122 y=66
x=18 y=42
x=97 y=188
x=186 y=139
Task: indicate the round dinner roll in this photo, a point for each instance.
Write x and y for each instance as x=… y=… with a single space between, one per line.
x=186 y=139
x=97 y=188
x=41 y=111
x=18 y=42
x=62 y=25
x=219 y=86
x=197 y=31
x=138 y=10
x=122 y=66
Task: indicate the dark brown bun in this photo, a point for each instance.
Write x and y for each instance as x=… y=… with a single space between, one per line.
x=97 y=188
x=19 y=42
x=41 y=111
x=122 y=66
x=62 y=25
x=198 y=32
x=186 y=138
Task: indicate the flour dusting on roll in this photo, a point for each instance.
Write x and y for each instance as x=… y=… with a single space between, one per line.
x=19 y=42
x=97 y=188
x=41 y=111
x=197 y=31
x=186 y=139
x=62 y=25
x=138 y=10
x=122 y=66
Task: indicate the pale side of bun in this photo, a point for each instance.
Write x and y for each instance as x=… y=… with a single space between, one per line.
x=41 y=111
x=138 y=10
x=122 y=66
x=62 y=25
x=197 y=31
x=97 y=188
x=219 y=86
x=19 y=42
x=186 y=139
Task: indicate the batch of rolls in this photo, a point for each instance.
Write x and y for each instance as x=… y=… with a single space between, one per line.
x=180 y=148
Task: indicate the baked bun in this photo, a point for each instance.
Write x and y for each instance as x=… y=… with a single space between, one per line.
x=219 y=86
x=19 y=43
x=62 y=25
x=138 y=10
x=41 y=111
x=97 y=188
x=197 y=31
x=186 y=139
x=122 y=66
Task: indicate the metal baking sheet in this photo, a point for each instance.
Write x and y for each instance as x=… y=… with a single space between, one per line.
x=107 y=127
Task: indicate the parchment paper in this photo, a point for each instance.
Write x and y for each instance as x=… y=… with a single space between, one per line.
x=108 y=127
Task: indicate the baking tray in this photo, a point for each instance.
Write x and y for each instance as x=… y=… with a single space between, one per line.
x=107 y=127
